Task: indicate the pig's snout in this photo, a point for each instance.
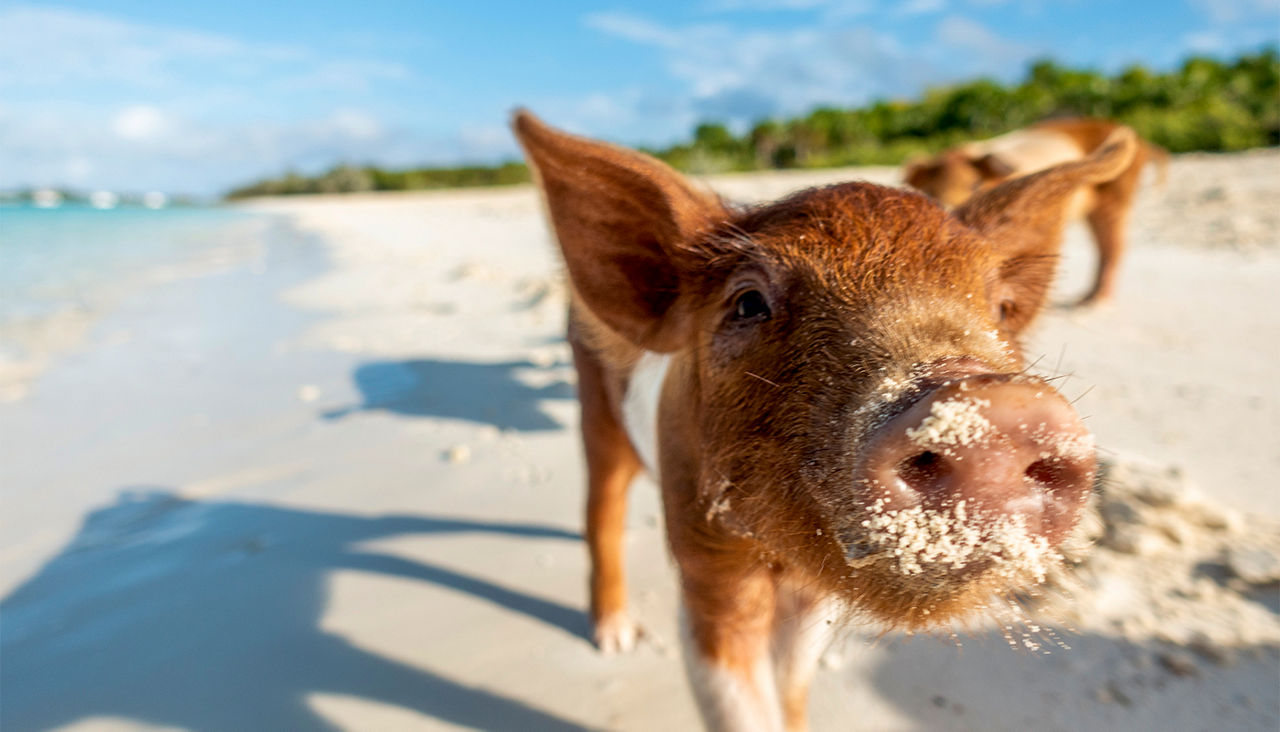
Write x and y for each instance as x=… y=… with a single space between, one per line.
x=991 y=447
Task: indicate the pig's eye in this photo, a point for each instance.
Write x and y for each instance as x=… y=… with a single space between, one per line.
x=1007 y=310
x=750 y=305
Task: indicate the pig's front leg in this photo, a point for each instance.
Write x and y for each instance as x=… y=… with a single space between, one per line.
x=728 y=619
x=804 y=624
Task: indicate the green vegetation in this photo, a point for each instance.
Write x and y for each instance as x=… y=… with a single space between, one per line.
x=350 y=179
x=1205 y=104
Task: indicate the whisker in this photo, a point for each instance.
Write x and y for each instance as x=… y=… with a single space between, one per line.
x=1059 y=377
x=1061 y=355
x=1083 y=395
x=758 y=376
x=1027 y=369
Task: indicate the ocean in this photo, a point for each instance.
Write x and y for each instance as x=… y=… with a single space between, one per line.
x=62 y=269
x=71 y=256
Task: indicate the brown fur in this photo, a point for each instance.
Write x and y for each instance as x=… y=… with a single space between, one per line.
x=956 y=174
x=761 y=419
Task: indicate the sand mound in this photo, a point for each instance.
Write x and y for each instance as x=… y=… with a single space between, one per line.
x=1170 y=567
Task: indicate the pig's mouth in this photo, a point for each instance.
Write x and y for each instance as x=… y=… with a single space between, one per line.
x=917 y=567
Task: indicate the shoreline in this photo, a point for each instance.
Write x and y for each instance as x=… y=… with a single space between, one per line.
x=32 y=343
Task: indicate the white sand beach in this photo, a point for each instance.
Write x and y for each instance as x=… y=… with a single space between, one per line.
x=337 y=485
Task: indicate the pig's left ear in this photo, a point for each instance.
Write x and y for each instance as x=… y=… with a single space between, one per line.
x=1024 y=217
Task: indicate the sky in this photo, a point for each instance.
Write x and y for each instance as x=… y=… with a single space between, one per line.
x=187 y=97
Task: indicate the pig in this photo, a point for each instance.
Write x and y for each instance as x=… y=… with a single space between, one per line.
x=829 y=391
x=956 y=174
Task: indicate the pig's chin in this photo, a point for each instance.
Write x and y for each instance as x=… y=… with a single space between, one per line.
x=922 y=602
x=917 y=569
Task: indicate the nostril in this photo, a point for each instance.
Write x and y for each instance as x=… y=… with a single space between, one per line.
x=924 y=472
x=1050 y=474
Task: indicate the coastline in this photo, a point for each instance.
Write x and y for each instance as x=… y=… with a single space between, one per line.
x=31 y=342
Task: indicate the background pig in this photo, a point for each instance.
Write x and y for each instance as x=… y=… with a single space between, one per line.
x=958 y=173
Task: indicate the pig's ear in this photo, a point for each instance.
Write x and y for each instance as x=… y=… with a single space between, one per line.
x=919 y=172
x=624 y=221
x=1024 y=217
x=993 y=167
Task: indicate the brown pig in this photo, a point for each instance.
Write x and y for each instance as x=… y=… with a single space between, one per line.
x=958 y=173
x=830 y=392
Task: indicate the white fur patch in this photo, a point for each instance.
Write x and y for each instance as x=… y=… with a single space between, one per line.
x=730 y=701
x=800 y=640
x=640 y=406
x=1029 y=151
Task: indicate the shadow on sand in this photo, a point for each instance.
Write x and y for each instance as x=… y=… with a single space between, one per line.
x=489 y=393
x=204 y=616
x=1092 y=682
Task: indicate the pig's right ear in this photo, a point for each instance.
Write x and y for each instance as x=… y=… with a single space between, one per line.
x=993 y=167
x=1024 y=217
x=624 y=221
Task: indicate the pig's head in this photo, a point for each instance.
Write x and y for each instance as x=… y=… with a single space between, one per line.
x=955 y=175
x=847 y=397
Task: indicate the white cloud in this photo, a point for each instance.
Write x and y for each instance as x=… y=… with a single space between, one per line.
x=78 y=170
x=842 y=8
x=40 y=46
x=486 y=142
x=180 y=110
x=146 y=148
x=356 y=124
x=835 y=10
x=1233 y=24
x=737 y=5
x=631 y=115
x=740 y=75
x=978 y=42
x=632 y=28
x=43 y=47
x=723 y=72
x=921 y=7
x=139 y=122
x=346 y=75
x=963 y=33
x=1223 y=12
x=1206 y=41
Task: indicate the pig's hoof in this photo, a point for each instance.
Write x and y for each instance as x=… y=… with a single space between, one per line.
x=1094 y=303
x=616 y=633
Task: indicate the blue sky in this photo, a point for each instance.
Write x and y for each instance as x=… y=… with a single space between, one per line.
x=136 y=95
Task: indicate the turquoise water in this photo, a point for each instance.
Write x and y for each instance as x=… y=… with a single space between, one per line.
x=52 y=258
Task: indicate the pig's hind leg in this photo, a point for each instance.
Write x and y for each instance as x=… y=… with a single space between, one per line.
x=1109 y=222
x=611 y=465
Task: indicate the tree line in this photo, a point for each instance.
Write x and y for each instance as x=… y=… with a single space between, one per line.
x=1206 y=104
